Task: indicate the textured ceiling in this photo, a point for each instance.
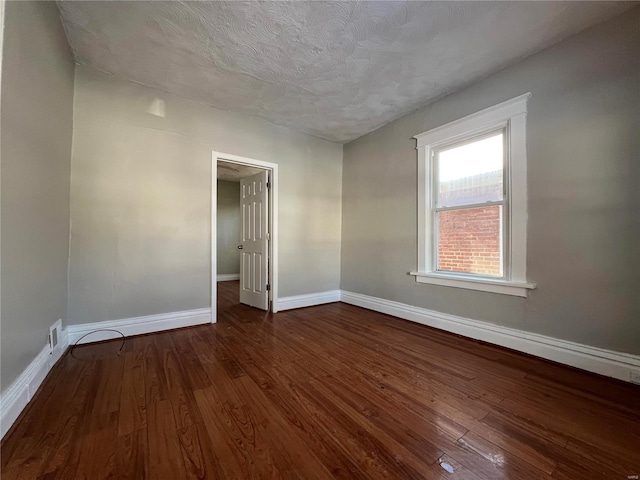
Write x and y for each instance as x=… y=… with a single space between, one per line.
x=234 y=172
x=336 y=70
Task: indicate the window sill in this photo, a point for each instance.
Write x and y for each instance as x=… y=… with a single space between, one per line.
x=518 y=289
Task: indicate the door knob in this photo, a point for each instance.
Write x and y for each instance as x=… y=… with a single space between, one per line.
x=240 y=247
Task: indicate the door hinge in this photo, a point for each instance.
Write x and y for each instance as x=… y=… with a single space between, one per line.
x=268 y=184
x=268 y=287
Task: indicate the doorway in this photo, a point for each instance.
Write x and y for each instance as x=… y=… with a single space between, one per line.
x=256 y=246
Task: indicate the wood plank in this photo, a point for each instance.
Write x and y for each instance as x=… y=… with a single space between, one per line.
x=410 y=435
x=332 y=391
x=282 y=392
x=154 y=381
x=132 y=460
x=133 y=414
x=392 y=457
x=199 y=459
x=96 y=460
x=163 y=443
x=234 y=428
x=493 y=462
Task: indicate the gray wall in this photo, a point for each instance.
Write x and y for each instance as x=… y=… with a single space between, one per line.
x=228 y=220
x=141 y=200
x=37 y=104
x=583 y=181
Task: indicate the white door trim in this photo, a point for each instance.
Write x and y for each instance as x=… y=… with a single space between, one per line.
x=273 y=207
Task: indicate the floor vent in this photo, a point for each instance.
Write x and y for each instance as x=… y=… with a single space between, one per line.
x=54 y=336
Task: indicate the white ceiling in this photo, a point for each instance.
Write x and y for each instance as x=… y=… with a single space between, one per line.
x=336 y=70
x=234 y=172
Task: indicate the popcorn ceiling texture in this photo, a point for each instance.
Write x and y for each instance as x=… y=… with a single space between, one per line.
x=336 y=70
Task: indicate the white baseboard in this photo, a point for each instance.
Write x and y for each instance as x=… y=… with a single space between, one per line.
x=22 y=390
x=16 y=397
x=308 y=300
x=605 y=362
x=138 y=325
x=225 y=277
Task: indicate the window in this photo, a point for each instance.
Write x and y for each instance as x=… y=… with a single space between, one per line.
x=472 y=194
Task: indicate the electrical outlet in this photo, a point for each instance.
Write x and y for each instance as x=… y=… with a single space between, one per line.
x=634 y=376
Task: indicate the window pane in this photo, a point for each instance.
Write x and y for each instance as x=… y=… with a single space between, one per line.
x=469 y=240
x=471 y=173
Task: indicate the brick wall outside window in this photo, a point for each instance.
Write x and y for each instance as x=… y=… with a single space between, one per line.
x=469 y=240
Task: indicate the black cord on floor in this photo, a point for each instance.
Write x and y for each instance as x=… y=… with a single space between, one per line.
x=95 y=331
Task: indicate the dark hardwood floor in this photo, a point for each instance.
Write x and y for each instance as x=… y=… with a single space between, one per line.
x=333 y=391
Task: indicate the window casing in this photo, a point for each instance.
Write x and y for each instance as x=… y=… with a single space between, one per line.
x=494 y=189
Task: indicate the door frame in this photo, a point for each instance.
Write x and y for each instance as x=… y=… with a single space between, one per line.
x=273 y=215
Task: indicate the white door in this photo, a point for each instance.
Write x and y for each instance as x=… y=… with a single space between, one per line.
x=254 y=253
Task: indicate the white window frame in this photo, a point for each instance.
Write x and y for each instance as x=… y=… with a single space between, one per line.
x=512 y=117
